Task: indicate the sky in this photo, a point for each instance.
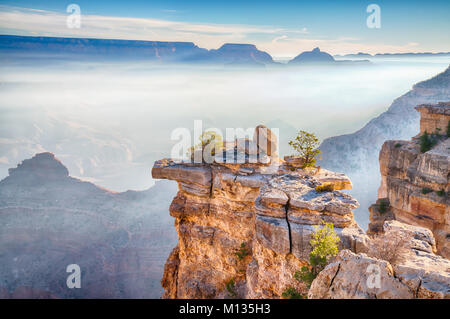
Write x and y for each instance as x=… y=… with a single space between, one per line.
x=282 y=28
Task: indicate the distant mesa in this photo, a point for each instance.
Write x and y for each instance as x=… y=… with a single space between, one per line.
x=41 y=165
x=237 y=53
x=312 y=57
x=153 y=51
x=317 y=57
x=352 y=55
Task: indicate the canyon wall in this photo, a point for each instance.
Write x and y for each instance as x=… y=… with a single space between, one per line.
x=415 y=184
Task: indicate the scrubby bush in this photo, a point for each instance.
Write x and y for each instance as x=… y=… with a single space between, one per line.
x=398 y=145
x=426 y=142
x=391 y=248
x=306 y=144
x=426 y=190
x=325 y=187
x=440 y=193
x=243 y=251
x=383 y=206
x=291 y=293
x=448 y=129
x=210 y=141
x=230 y=285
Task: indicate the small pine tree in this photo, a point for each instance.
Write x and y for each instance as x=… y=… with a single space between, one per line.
x=305 y=144
x=209 y=139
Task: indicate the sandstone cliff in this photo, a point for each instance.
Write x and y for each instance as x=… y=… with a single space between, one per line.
x=415 y=184
x=249 y=225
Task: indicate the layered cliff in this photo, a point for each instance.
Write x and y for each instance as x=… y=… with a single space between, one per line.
x=246 y=227
x=415 y=178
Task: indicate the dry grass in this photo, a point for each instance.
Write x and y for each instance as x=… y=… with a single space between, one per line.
x=392 y=247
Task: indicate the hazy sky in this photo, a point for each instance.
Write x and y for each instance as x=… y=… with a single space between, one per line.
x=283 y=28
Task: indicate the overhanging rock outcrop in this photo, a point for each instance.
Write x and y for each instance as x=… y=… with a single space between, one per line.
x=249 y=224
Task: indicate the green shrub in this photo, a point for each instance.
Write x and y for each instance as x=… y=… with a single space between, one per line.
x=325 y=246
x=325 y=187
x=230 y=285
x=440 y=192
x=426 y=142
x=209 y=139
x=305 y=144
x=383 y=206
x=448 y=129
x=291 y=293
x=398 y=145
x=426 y=190
x=243 y=251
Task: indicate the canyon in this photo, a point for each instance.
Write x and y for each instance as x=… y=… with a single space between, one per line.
x=356 y=154
x=49 y=220
x=245 y=229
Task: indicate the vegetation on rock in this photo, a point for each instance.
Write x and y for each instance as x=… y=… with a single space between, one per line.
x=426 y=190
x=306 y=145
x=324 y=242
x=392 y=248
x=243 y=251
x=209 y=140
x=230 y=286
x=325 y=187
x=426 y=142
x=383 y=206
x=440 y=193
x=291 y=293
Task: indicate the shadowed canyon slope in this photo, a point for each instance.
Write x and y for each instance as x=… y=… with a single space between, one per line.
x=49 y=220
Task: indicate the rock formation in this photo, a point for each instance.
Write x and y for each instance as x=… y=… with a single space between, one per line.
x=415 y=185
x=249 y=224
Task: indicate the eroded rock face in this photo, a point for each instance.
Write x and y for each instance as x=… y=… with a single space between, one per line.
x=268 y=209
x=420 y=274
x=415 y=184
x=434 y=117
